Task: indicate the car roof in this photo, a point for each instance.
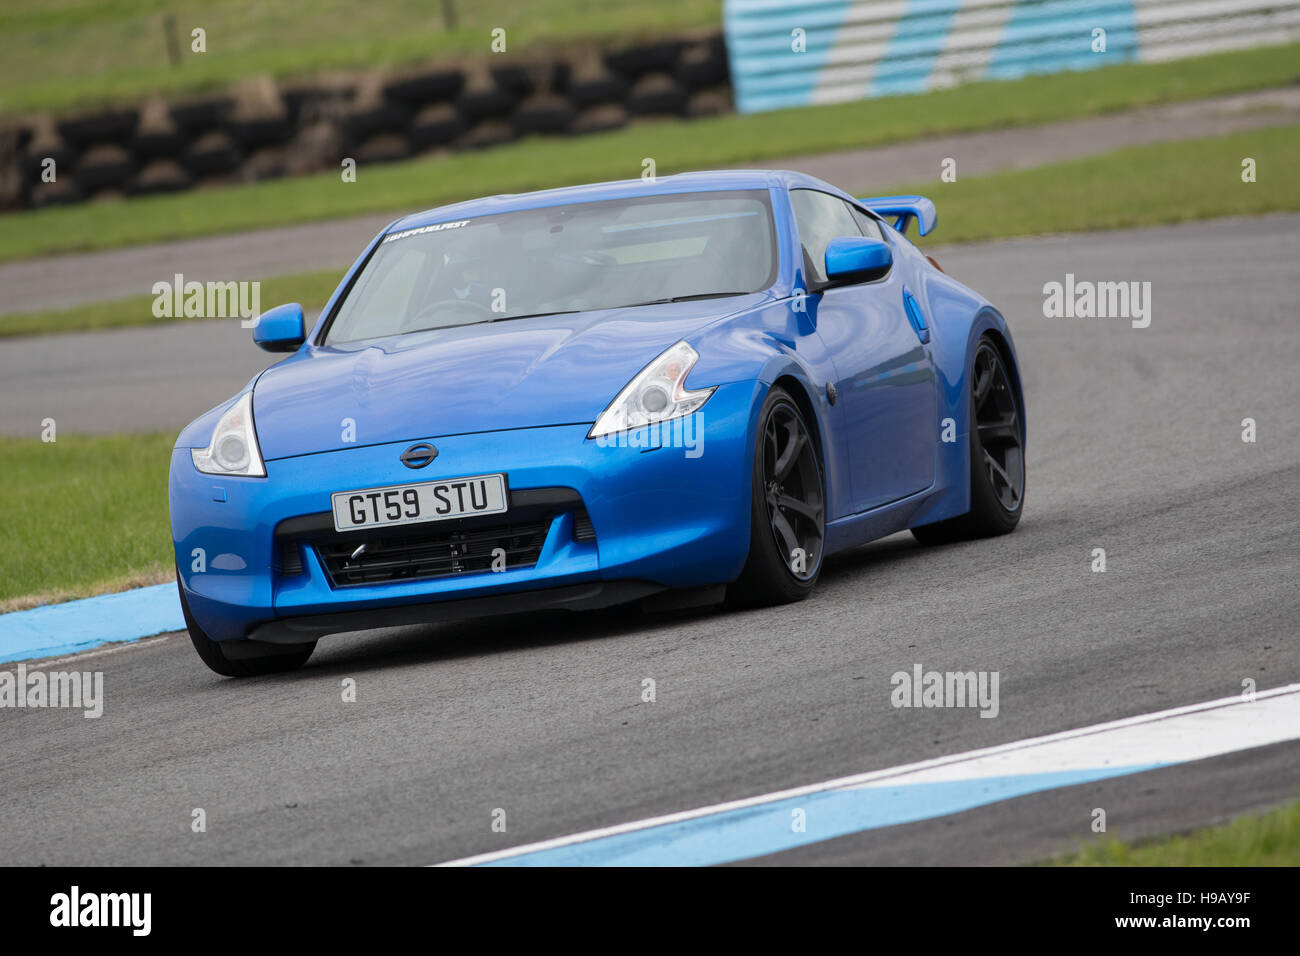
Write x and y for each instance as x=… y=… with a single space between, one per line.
x=708 y=181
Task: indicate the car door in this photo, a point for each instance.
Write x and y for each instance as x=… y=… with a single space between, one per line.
x=885 y=384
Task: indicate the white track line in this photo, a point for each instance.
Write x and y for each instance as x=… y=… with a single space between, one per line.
x=39 y=664
x=1177 y=735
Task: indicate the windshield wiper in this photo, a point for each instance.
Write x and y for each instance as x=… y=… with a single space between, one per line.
x=534 y=315
x=458 y=325
x=684 y=298
x=537 y=315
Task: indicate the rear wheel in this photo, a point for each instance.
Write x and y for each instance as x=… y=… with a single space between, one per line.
x=787 y=509
x=253 y=660
x=997 y=457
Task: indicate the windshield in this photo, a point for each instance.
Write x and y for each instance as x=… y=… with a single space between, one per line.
x=574 y=258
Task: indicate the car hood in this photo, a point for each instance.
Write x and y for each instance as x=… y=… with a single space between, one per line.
x=518 y=373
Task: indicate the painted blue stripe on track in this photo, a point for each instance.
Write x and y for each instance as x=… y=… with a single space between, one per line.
x=747 y=832
x=81 y=625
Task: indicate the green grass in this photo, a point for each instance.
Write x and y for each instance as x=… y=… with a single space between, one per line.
x=83 y=515
x=674 y=145
x=59 y=54
x=1137 y=186
x=1266 y=839
x=312 y=289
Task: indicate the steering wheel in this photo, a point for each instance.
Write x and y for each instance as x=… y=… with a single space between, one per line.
x=414 y=322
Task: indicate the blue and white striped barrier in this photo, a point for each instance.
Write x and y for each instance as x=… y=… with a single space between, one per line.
x=789 y=53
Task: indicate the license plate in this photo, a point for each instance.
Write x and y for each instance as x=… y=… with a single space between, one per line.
x=426 y=501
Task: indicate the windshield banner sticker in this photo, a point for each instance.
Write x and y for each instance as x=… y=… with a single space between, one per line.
x=423 y=229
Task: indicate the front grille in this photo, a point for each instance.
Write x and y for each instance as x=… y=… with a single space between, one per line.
x=437 y=549
x=430 y=552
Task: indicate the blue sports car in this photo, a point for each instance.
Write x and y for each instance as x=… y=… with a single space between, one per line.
x=686 y=390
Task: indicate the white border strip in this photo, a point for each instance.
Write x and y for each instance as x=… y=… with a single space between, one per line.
x=877 y=777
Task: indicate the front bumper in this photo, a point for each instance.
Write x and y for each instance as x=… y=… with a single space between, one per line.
x=663 y=517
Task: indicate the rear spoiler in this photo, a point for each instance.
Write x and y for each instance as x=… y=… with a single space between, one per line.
x=904 y=209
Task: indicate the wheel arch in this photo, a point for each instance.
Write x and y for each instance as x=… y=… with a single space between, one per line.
x=798 y=391
x=953 y=356
x=1002 y=341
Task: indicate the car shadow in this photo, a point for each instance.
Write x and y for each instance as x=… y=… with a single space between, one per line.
x=434 y=643
x=361 y=651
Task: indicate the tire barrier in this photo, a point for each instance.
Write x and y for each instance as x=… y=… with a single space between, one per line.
x=263 y=130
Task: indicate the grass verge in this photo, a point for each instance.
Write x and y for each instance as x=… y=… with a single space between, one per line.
x=1136 y=186
x=1263 y=839
x=83 y=516
x=80 y=52
x=674 y=145
x=1150 y=185
x=312 y=289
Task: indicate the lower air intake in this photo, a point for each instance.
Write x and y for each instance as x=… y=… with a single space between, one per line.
x=429 y=551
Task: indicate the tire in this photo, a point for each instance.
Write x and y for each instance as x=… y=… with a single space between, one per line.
x=199 y=116
x=111 y=126
x=656 y=94
x=435 y=125
x=593 y=90
x=277 y=660
x=997 y=459
x=485 y=102
x=769 y=576
x=433 y=87
x=544 y=113
x=646 y=58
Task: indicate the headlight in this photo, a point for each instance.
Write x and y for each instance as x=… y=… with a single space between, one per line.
x=233 y=449
x=657 y=394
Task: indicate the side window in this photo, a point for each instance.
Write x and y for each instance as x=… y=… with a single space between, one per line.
x=870 y=228
x=820 y=217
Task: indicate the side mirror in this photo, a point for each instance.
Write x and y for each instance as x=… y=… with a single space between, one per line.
x=857 y=259
x=281 y=329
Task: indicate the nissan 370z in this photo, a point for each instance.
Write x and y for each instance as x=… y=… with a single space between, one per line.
x=696 y=388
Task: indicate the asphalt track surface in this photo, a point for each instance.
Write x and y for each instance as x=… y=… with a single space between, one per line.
x=161 y=377
x=1134 y=446
x=64 y=281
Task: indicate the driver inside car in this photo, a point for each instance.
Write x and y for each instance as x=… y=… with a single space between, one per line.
x=468 y=282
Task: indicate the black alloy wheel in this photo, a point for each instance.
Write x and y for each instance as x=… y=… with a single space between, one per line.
x=788 y=509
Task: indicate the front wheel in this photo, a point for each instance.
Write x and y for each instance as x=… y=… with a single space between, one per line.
x=787 y=509
x=997 y=455
x=253 y=661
